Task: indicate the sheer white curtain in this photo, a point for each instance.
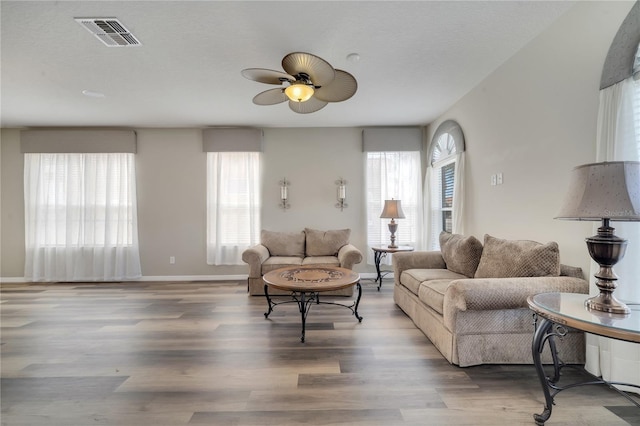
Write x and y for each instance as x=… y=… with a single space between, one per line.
x=618 y=139
x=233 y=205
x=394 y=174
x=80 y=217
x=458 y=195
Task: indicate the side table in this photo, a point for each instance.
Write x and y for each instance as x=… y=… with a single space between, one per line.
x=381 y=251
x=554 y=312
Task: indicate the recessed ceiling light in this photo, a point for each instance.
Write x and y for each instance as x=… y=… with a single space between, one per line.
x=353 y=57
x=93 y=94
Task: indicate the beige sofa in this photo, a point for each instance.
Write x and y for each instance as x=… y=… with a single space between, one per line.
x=470 y=299
x=309 y=247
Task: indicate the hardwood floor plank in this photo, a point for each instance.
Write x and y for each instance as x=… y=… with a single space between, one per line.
x=300 y=416
x=179 y=353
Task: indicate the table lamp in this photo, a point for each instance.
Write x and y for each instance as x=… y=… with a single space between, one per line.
x=392 y=210
x=606 y=192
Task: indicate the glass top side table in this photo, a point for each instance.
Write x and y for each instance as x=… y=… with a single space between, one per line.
x=556 y=311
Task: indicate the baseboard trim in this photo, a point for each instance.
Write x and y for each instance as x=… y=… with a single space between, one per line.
x=19 y=280
x=12 y=280
x=194 y=278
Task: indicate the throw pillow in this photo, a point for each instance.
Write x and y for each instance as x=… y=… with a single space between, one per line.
x=326 y=243
x=461 y=254
x=283 y=243
x=518 y=258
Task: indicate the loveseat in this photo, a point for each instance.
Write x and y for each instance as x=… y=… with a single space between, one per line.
x=309 y=247
x=469 y=299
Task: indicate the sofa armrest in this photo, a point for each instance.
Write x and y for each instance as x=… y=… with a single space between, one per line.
x=255 y=257
x=416 y=260
x=502 y=293
x=349 y=255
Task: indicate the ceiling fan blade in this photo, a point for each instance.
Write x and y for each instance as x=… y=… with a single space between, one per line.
x=270 y=97
x=340 y=89
x=319 y=70
x=262 y=75
x=312 y=105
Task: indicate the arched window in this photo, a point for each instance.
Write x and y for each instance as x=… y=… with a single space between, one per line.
x=443 y=190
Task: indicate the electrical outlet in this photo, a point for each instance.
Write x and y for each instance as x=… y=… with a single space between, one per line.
x=494 y=179
x=172 y=260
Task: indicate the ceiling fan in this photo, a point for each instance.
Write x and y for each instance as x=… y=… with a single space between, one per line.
x=310 y=83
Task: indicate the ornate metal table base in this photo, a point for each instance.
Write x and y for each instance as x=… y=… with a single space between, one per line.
x=380 y=252
x=305 y=299
x=377 y=257
x=546 y=331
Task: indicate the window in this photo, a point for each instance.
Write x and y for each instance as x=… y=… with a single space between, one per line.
x=636 y=123
x=394 y=175
x=80 y=217
x=233 y=205
x=443 y=190
x=446 y=201
x=444 y=165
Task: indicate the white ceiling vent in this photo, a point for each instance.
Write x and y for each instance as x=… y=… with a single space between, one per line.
x=110 y=31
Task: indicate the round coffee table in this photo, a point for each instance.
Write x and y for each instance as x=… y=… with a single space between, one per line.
x=306 y=283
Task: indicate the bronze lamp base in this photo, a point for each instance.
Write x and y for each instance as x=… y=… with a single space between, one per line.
x=606 y=250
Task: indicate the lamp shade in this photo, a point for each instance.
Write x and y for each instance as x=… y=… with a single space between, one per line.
x=392 y=210
x=609 y=190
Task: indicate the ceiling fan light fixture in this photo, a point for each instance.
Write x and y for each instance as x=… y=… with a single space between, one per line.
x=309 y=83
x=299 y=92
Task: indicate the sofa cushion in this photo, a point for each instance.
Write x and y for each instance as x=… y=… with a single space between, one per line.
x=283 y=243
x=321 y=260
x=518 y=258
x=275 y=262
x=431 y=293
x=412 y=278
x=571 y=271
x=461 y=254
x=326 y=243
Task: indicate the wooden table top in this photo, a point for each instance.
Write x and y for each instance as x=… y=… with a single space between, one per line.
x=311 y=278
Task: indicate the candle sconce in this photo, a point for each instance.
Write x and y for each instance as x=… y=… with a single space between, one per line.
x=342 y=194
x=284 y=193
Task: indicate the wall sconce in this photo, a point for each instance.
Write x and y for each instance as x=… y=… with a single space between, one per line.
x=342 y=194
x=284 y=193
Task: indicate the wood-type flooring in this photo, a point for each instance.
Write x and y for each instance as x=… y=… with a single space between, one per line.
x=202 y=353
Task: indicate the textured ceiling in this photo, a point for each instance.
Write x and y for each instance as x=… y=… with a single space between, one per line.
x=416 y=59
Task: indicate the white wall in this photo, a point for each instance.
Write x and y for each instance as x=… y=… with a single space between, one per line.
x=171 y=184
x=171 y=173
x=312 y=160
x=534 y=119
x=11 y=205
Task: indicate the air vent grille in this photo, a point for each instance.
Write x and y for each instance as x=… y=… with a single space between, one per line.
x=109 y=31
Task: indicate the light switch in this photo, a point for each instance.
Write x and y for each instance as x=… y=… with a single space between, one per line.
x=499 y=180
x=494 y=180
